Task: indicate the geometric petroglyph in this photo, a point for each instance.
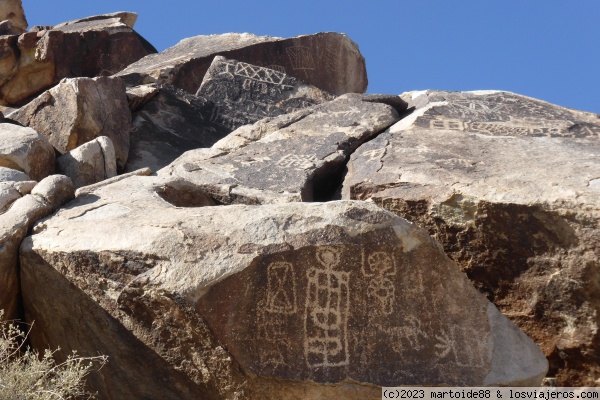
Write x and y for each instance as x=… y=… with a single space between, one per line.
x=375 y=154
x=380 y=266
x=301 y=161
x=498 y=129
x=281 y=288
x=326 y=313
x=459 y=346
x=300 y=57
x=253 y=72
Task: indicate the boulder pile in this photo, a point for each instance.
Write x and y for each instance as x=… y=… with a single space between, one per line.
x=234 y=218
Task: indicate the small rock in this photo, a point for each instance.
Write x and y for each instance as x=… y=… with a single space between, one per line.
x=12 y=10
x=89 y=163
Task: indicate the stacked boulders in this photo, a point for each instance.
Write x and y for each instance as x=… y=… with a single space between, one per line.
x=233 y=219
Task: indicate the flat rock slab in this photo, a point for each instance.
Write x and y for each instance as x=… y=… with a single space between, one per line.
x=78 y=110
x=329 y=61
x=35 y=61
x=244 y=93
x=510 y=186
x=280 y=301
x=25 y=150
x=298 y=162
x=169 y=124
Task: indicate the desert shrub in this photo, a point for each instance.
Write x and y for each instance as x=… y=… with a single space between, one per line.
x=25 y=375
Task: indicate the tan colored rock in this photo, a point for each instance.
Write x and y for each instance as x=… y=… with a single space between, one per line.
x=299 y=300
x=126 y=17
x=46 y=197
x=79 y=110
x=329 y=61
x=12 y=10
x=509 y=186
x=140 y=95
x=89 y=163
x=301 y=161
x=25 y=150
x=37 y=60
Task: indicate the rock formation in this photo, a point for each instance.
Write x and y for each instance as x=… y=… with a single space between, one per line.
x=248 y=224
x=509 y=186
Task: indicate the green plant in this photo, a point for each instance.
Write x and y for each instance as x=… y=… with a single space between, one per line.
x=26 y=375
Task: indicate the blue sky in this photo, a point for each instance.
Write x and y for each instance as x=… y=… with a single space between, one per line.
x=545 y=49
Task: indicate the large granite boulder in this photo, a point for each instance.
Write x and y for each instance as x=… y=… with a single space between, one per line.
x=34 y=61
x=43 y=199
x=301 y=161
x=511 y=187
x=89 y=163
x=329 y=61
x=78 y=110
x=25 y=150
x=299 y=300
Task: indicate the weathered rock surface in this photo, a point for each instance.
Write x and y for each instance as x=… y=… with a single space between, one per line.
x=168 y=125
x=47 y=196
x=25 y=150
x=126 y=17
x=34 y=61
x=511 y=187
x=10 y=191
x=89 y=163
x=329 y=61
x=280 y=301
x=298 y=162
x=78 y=110
x=140 y=95
x=12 y=10
x=9 y=174
x=245 y=93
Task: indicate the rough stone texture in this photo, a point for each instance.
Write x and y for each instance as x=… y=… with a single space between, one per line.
x=298 y=162
x=126 y=17
x=245 y=93
x=329 y=61
x=140 y=95
x=12 y=10
x=168 y=125
x=9 y=174
x=279 y=301
x=79 y=110
x=25 y=150
x=34 y=61
x=10 y=191
x=511 y=187
x=89 y=163
x=47 y=196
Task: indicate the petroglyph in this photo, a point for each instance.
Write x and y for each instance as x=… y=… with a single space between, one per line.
x=281 y=288
x=326 y=315
x=300 y=57
x=380 y=266
x=300 y=161
x=498 y=128
x=374 y=155
x=451 y=345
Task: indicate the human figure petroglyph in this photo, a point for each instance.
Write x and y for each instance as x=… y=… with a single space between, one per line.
x=375 y=154
x=459 y=346
x=326 y=314
x=380 y=266
x=281 y=288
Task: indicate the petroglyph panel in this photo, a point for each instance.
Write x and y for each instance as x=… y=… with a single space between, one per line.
x=505 y=114
x=299 y=161
x=244 y=93
x=365 y=311
x=300 y=57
